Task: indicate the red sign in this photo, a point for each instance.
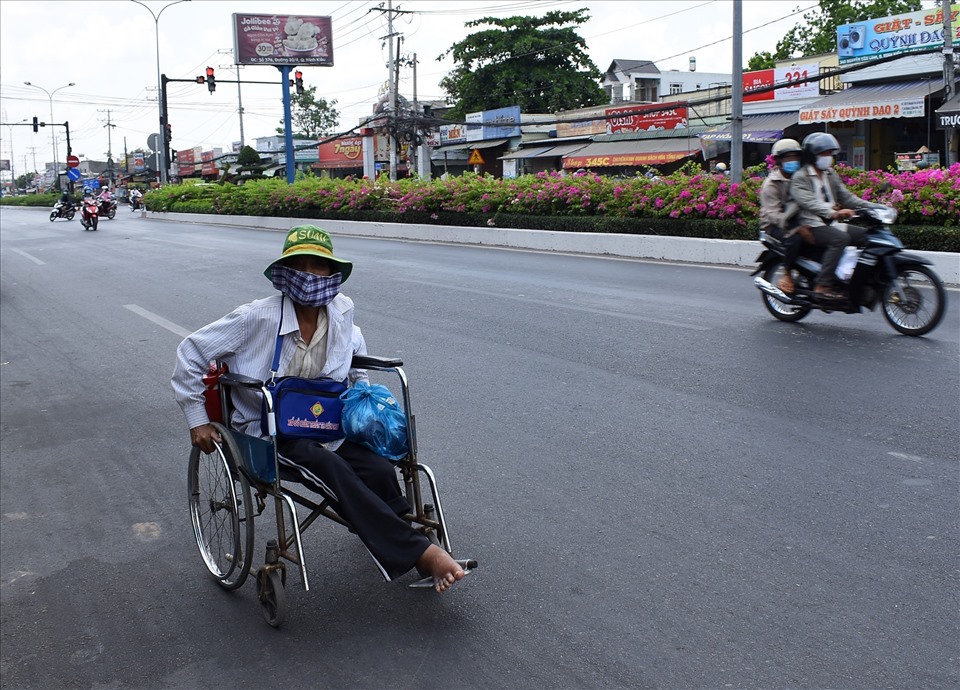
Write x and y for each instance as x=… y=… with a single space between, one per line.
x=73 y=162
x=644 y=118
x=342 y=153
x=625 y=160
x=186 y=157
x=757 y=80
x=209 y=168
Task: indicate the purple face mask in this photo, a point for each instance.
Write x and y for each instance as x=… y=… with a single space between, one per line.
x=305 y=288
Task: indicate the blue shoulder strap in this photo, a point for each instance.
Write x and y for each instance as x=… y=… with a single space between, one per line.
x=276 y=353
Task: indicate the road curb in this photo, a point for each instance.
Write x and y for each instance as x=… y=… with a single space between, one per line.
x=680 y=249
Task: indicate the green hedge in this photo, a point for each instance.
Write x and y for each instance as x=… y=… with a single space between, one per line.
x=31 y=200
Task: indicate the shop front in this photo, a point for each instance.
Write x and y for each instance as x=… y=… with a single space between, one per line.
x=627 y=156
x=873 y=122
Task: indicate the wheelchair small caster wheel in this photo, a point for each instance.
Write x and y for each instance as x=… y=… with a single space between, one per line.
x=272 y=596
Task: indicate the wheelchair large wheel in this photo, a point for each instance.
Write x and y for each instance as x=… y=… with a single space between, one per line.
x=221 y=511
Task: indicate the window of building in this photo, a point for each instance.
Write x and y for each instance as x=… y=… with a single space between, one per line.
x=676 y=88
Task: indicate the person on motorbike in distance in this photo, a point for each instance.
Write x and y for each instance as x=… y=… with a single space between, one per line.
x=778 y=212
x=66 y=201
x=825 y=203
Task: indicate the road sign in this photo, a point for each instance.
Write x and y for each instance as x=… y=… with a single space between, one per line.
x=73 y=162
x=475 y=158
x=153 y=142
x=73 y=174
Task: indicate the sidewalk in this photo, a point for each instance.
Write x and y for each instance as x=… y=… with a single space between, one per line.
x=680 y=249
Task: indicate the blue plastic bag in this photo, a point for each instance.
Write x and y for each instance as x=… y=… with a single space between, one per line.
x=373 y=418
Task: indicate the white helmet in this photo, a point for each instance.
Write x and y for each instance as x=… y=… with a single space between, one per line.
x=720 y=167
x=785 y=147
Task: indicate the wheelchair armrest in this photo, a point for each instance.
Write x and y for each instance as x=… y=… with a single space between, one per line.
x=370 y=362
x=231 y=379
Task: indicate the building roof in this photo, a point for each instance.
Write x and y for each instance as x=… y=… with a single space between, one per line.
x=633 y=66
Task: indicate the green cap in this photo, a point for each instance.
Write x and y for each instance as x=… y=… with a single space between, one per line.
x=313 y=241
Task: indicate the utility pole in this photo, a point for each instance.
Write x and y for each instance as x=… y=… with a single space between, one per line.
x=392 y=121
x=110 y=126
x=736 y=114
x=33 y=151
x=949 y=157
x=228 y=51
x=415 y=145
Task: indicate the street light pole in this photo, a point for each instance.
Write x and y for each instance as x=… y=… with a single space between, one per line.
x=162 y=153
x=53 y=131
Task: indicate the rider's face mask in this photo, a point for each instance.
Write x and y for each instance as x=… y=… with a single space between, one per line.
x=790 y=167
x=824 y=162
x=308 y=289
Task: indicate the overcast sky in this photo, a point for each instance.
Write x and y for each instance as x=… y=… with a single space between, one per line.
x=107 y=48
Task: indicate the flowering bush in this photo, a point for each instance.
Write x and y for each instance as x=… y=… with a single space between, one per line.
x=928 y=197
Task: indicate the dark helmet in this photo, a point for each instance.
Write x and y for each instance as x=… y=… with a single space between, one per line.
x=819 y=143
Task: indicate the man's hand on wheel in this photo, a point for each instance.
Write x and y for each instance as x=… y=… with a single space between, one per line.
x=204 y=437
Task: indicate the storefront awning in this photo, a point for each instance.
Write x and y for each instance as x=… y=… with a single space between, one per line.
x=876 y=102
x=757 y=129
x=631 y=153
x=564 y=149
x=470 y=145
x=531 y=152
x=948 y=114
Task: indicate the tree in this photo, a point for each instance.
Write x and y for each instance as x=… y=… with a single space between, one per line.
x=24 y=181
x=311 y=117
x=538 y=63
x=818 y=33
x=248 y=156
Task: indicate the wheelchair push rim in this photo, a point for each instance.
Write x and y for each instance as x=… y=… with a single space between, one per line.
x=221 y=512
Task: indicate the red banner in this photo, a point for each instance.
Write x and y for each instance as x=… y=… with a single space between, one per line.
x=186 y=157
x=644 y=118
x=342 y=153
x=757 y=80
x=209 y=168
x=625 y=160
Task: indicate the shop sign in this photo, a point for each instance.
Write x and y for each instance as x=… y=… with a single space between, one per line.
x=453 y=134
x=342 y=153
x=625 y=160
x=278 y=39
x=581 y=129
x=645 y=118
x=474 y=126
x=501 y=123
x=186 y=157
x=788 y=77
x=209 y=168
x=948 y=120
x=901 y=33
x=880 y=110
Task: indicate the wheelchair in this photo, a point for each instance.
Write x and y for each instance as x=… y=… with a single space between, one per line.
x=229 y=488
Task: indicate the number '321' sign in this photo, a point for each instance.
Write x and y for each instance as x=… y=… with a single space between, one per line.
x=790 y=82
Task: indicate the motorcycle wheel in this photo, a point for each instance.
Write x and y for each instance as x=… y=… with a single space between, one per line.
x=53 y=216
x=70 y=214
x=784 y=312
x=112 y=213
x=94 y=221
x=924 y=304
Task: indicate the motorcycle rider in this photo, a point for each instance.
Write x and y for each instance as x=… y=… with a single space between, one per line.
x=105 y=200
x=825 y=202
x=778 y=212
x=66 y=203
x=135 y=198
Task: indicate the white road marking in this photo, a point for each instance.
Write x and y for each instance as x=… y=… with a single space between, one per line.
x=29 y=256
x=159 y=320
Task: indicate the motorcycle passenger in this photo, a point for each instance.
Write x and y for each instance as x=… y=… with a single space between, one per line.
x=105 y=199
x=825 y=202
x=778 y=212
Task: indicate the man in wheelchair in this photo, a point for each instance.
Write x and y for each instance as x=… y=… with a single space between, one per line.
x=319 y=339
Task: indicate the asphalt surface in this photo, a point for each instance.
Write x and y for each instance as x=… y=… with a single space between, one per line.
x=664 y=486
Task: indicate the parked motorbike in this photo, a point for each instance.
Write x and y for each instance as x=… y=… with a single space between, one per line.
x=89 y=213
x=62 y=210
x=910 y=293
x=108 y=208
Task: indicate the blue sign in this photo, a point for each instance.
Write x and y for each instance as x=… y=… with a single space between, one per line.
x=73 y=174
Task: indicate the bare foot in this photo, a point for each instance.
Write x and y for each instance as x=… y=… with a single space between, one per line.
x=440 y=565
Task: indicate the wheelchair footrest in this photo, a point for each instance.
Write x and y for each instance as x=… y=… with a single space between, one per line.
x=468 y=565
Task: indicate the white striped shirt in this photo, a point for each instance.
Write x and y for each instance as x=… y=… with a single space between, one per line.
x=245 y=339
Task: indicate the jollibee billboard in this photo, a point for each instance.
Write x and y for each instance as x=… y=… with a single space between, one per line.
x=282 y=39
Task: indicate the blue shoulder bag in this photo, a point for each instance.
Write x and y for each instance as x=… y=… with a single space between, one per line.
x=303 y=408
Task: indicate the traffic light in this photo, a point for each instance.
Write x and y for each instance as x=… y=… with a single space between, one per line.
x=36 y=124
x=201 y=80
x=298 y=80
x=211 y=80
x=168 y=132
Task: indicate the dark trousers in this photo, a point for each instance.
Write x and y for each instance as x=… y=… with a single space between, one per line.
x=834 y=240
x=791 y=250
x=363 y=489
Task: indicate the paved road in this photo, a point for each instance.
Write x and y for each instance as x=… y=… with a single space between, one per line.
x=665 y=487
